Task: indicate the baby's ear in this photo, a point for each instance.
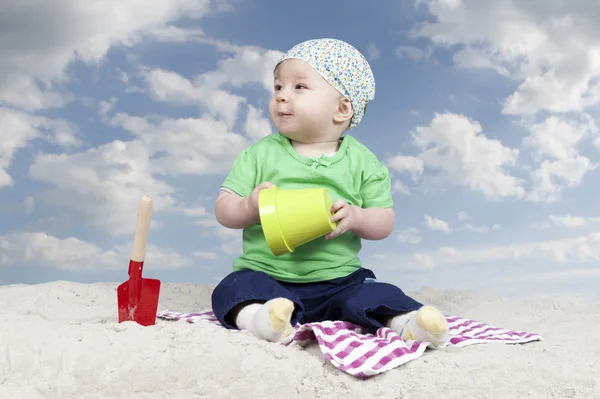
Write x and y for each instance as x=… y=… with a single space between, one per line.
x=344 y=111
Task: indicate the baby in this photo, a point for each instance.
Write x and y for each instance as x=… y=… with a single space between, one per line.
x=321 y=90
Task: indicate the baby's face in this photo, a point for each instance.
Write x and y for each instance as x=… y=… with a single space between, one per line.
x=303 y=104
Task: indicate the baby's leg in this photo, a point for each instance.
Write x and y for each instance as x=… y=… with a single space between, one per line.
x=254 y=301
x=269 y=320
x=378 y=304
x=425 y=325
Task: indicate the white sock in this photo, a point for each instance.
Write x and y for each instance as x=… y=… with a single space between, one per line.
x=243 y=320
x=425 y=325
x=269 y=321
x=398 y=322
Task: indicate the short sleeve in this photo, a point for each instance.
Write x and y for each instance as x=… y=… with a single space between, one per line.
x=376 y=190
x=242 y=176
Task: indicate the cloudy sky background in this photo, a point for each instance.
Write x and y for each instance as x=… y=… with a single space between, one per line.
x=486 y=117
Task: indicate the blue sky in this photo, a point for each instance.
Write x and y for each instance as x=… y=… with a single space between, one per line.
x=485 y=117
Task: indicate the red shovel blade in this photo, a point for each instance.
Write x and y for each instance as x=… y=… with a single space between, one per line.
x=138 y=297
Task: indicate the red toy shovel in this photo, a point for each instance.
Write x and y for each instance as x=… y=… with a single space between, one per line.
x=138 y=297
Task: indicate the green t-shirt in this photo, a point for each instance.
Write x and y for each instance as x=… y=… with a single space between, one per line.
x=353 y=174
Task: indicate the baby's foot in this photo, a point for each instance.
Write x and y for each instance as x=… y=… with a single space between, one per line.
x=271 y=321
x=424 y=325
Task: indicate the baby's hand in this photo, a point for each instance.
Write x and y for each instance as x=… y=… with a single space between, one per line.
x=253 y=198
x=348 y=217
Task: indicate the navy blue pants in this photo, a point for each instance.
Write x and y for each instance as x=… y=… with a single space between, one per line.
x=357 y=298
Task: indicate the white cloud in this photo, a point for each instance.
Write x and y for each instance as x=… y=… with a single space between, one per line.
x=104 y=107
x=203 y=145
x=570 y=221
x=76 y=31
x=231 y=239
x=436 y=224
x=551 y=48
x=223 y=5
x=478 y=229
x=406 y=164
x=174 y=34
x=373 y=53
x=184 y=146
x=561 y=275
x=17 y=129
x=246 y=66
x=596 y=142
x=400 y=188
x=205 y=255
x=456 y=146
x=15 y=132
x=469 y=58
x=171 y=87
x=553 y=52
x=206 y=222
x=198 y=211
x=558 y=138
x=552 y=176
x=29 y=205
x=103 y=185
x=409 y=236
x=73 y=254
x=462 y=216
x=568 y=250
x=256 y=125
x=555 y=142
x=441 y=225
x=414 y=53
x=425 y=262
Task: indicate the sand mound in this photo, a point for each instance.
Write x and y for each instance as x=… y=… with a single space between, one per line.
x=61 y=340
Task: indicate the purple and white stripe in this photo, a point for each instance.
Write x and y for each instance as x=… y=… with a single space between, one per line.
x=351 y=349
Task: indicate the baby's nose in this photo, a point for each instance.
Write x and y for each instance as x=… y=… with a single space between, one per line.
x=281 y=97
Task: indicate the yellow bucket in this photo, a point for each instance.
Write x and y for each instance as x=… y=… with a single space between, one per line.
x=293 y=217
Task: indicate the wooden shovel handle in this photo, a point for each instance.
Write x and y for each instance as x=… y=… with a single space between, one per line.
x=142 y=228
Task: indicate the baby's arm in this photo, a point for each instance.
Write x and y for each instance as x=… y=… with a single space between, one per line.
x=375 y=219
x=238 y=212
x=375 y=223
x=233 y=211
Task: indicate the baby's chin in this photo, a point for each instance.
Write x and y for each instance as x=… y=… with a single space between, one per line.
x=286 y=133
x=294 y=136
x=297 y=134
x=304 y=138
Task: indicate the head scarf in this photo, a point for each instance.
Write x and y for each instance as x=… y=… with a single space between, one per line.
x=343 y=66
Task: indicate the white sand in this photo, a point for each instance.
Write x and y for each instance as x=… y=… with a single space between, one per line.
x=61 y=340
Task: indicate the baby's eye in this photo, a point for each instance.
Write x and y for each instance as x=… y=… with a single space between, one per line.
x=277 y=87
x=300 y=86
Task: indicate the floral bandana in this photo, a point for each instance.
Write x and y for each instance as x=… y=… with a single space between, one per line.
x=343 y=66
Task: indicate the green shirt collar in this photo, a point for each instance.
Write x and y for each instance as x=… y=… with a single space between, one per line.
x=315 y=162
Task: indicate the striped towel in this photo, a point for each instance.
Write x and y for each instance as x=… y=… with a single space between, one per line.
x=362 y=354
